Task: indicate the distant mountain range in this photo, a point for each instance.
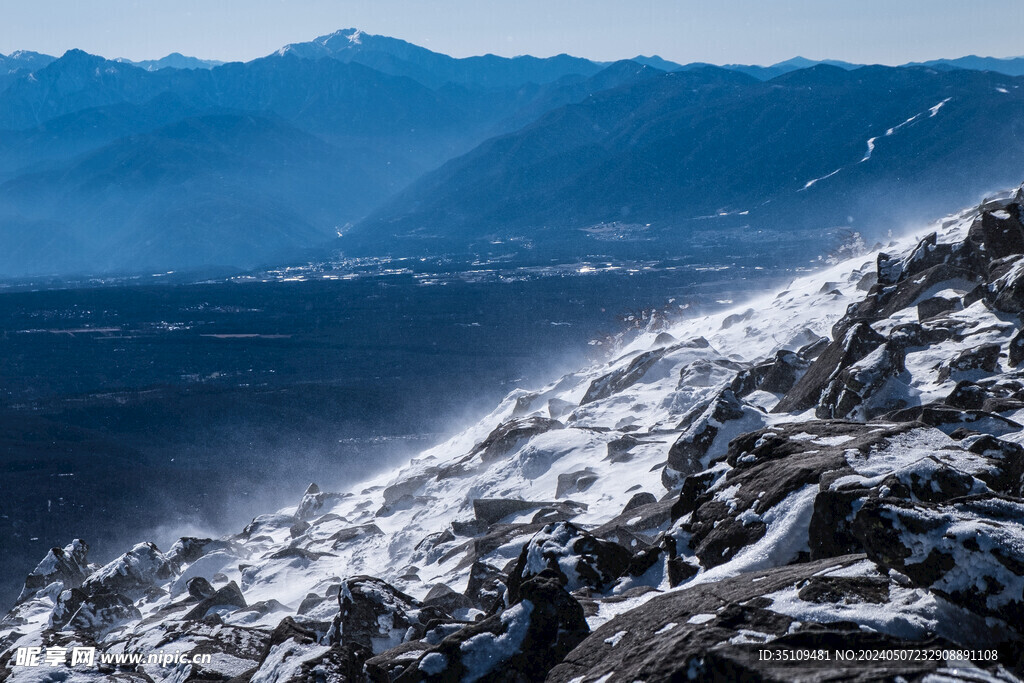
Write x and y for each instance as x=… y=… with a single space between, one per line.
x=708 y=149
x=108 y=165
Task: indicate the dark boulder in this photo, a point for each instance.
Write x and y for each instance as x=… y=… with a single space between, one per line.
x=376 y=615
x=970 y=551
x=863 y=390
x=998 y=233
x=984 y=358
x=503 y=439
x=521 y=644
x=951 y=419
x=68 y=565
x=1016 y=352
x=578 y=557
x=857 y=343
x=1005 y=291
x=486 y=585
x=703 y=439
x=226 y=599
x=199 y=588
x=776 y=376
x=447 y=600
x=705 y=633
x=574 y=482
x=639 y=500
x=936 y=305
x=623 y=378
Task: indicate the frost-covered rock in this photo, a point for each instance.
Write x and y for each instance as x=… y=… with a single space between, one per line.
x=867 y=388
x=684 y=479
x=376 y=615
x=577 y=557
x=132 y=573
x=623 y=378
x=858 y=342
x=717 y=631
x=100 y=613
x=68 y=566
x=970 y=551
x=521 y=644
x=294 y=655
x=708 y=434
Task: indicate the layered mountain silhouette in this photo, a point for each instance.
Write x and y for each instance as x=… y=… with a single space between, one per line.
x=108 y=166
x=705 y=149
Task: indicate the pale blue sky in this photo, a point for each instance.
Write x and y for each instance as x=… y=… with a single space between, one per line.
x=745 y=31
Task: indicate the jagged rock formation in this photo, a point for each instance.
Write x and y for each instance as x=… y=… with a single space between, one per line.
x=835 y=466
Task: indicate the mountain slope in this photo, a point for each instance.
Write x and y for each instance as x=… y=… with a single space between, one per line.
x=834 y=466
x=708 y=149
x=397 y=57
x=392 y=129
x=256 y=189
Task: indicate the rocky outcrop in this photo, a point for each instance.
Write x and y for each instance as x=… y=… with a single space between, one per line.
x=719 y=631
x=522 y=643
x=857 y=342
x=577 y=557
x=504 y=438
x=877 y=507
x=969 y=551
x=706 y=434
x=68 y=566
x=376 y=615
x=623 y=378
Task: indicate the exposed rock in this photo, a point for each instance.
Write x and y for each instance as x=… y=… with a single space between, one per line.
x=998 y=236
x=199 y=588
x=858 y=342
x=639 y=500
x=293 y=655
x=970 y=552
x=936 y=305
x=708 y=436
x=623 y=378
x=228 y=598
x=951 y=419
x=188 y=549
x=132 y=573
x=575 y=482
x=489 y=511
x=522 y=643
x=716 y=632
x=578 y=557
x=504 y=438
x=486 y=585
x=68 y=565
x=1016 y=351
x=776 y=376
x=447 y=600
x=355 y=533
x=376 y=615
x=864 y=389
x=101 y=612
x=1006 y=291
x=313 y=501
x=984 y=358
x=883 y=301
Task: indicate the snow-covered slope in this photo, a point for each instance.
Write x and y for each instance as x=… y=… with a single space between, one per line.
x=835 y=465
